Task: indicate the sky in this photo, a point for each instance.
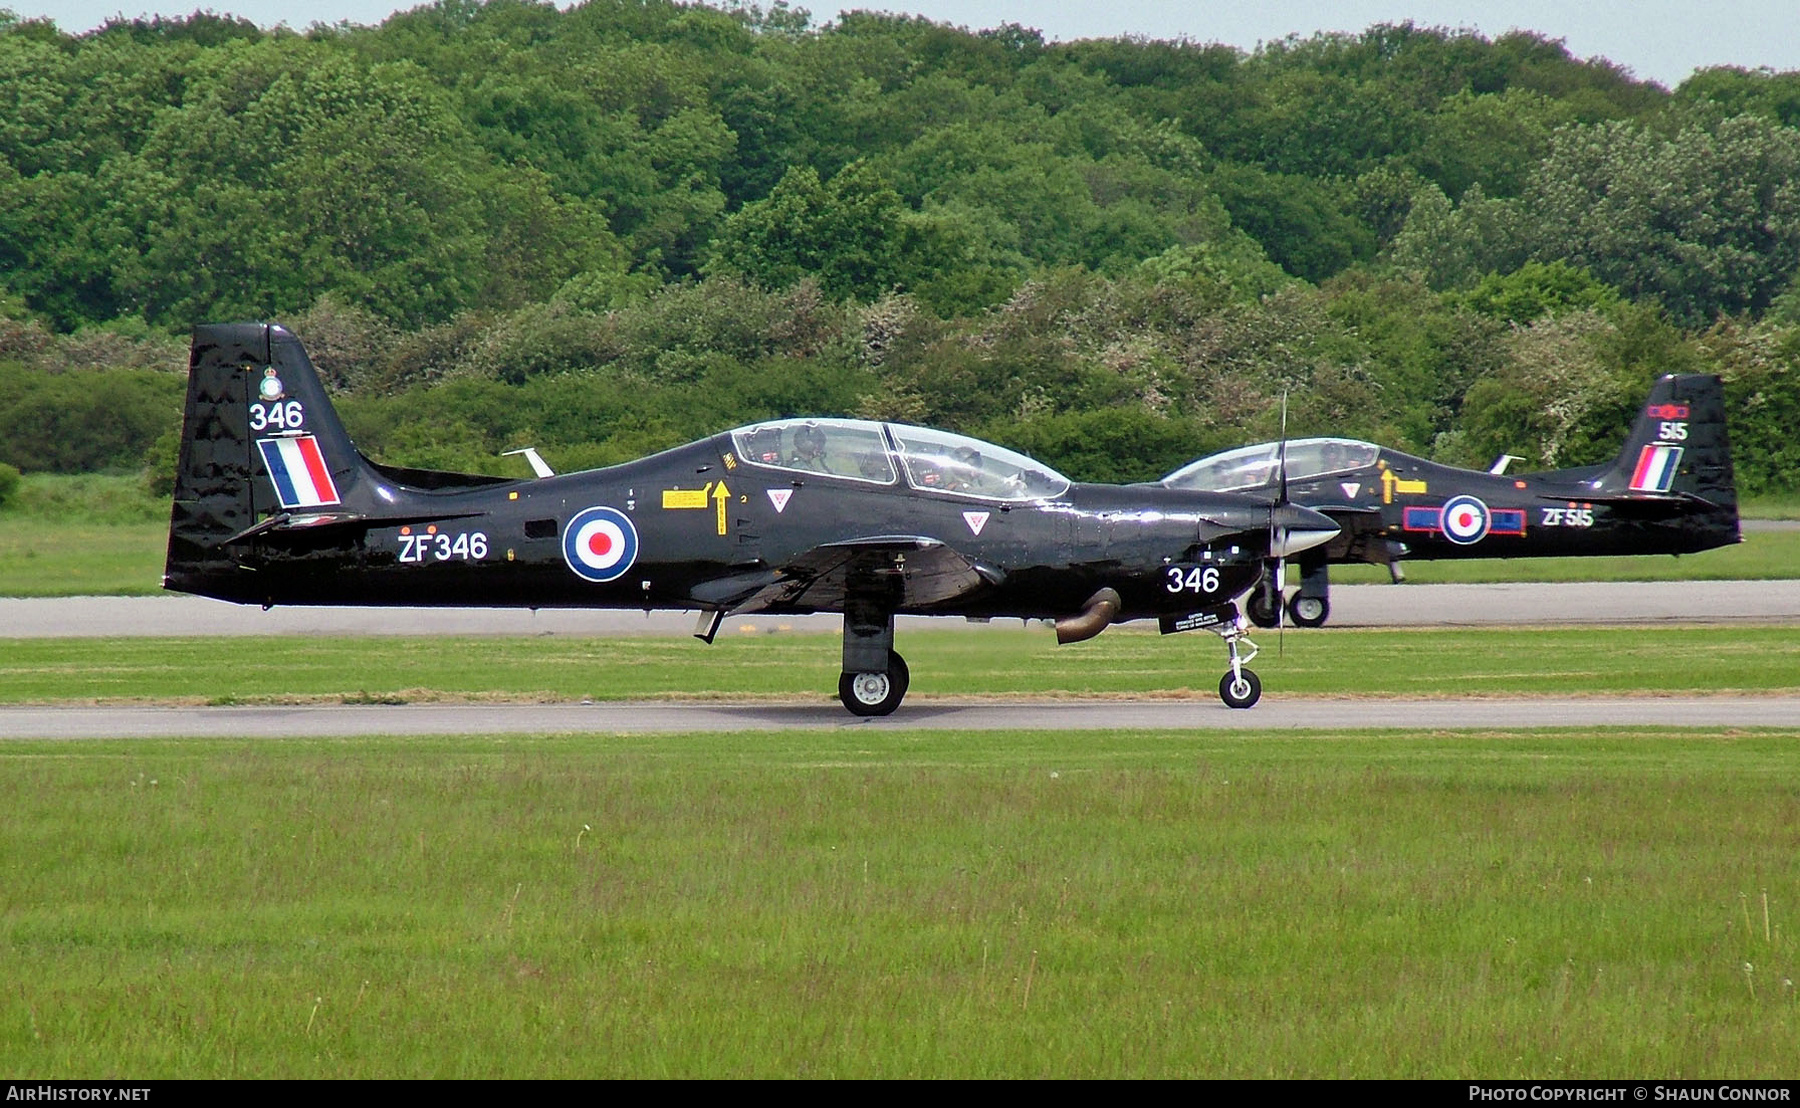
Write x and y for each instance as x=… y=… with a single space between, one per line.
x=1657 y=40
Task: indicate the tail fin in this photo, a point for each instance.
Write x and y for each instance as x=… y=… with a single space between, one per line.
x=1675 y=467
x=1678 y=446
x=259 y=440
x=265 y=459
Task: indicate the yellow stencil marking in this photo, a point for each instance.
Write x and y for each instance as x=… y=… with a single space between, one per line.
x=685 y=498
x=1391 y=485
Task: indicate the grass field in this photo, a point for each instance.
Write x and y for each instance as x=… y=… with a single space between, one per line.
x=90 y=535
x=893 y=903
x=898 y=905
x=995 y=661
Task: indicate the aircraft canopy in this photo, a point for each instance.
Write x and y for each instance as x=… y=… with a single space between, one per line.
x=930 y=460
x=1253 y=467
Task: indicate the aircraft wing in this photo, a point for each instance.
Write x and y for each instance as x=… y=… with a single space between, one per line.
x=923 y=571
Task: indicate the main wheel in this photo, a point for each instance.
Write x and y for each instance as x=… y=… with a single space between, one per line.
x=898 y=672
x=875 y=694
x=1240 y=692
x=1259 y=610
x=1309 y=611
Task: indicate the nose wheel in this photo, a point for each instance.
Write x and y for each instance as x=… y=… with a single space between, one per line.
x=1240 y=687
x=875 y=693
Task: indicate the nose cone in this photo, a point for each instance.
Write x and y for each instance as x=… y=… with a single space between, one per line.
x=1298 y=529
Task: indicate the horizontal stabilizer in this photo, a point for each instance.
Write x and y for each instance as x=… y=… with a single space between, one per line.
x=313 y=522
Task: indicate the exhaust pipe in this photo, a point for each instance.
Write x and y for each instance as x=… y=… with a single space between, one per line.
x=1096 y=615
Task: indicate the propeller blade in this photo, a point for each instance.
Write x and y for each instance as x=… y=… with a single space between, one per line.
x=1281 y=500
x=1283 y=459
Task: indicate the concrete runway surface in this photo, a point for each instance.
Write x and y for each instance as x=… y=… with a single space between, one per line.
x=1351 y=606
x=1275 y=713
x=1658 y=603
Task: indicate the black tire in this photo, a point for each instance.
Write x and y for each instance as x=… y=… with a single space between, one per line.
x=875 y=694
x=1242 y=694
x=1258 y=609
x=898 y=673
x=1309 y=611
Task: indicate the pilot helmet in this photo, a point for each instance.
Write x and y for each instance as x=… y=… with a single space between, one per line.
x=765 y=444
x=809 y=441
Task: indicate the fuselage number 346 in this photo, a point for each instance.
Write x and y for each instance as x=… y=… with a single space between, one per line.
x=1195 y=579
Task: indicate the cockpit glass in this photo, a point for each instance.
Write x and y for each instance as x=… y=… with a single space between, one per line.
x=935 y=461
x=1250 y=467
x=939 y=461
x=836 y=447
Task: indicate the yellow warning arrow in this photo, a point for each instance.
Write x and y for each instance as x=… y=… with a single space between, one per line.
x=1391 y=484
x=720 y=495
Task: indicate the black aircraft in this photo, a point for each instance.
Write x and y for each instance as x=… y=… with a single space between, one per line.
x=1669 y=491
x=274 y=505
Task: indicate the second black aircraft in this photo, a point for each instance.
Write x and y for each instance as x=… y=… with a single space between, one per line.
x=1670 y=490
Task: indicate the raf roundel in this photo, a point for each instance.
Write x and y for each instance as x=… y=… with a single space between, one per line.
x=600 y=544
x=1465 y=520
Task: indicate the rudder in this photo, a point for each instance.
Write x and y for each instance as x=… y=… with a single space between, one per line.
x=1678 y=445
x=255 y=409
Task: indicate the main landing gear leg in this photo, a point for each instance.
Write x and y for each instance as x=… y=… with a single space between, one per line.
x=1239 y=688
x=874 y=679
x=1263 y=605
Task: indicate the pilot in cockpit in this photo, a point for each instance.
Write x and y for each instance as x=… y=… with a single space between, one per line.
x=809 y=449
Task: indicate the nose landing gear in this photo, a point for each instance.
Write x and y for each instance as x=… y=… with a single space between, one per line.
x=1239 y=688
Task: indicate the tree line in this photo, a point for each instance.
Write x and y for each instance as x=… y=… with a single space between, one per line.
x=604 y=230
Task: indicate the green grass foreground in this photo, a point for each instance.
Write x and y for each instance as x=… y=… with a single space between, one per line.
x=891 y=904
x=996 y=661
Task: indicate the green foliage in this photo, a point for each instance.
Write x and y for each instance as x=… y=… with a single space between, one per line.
x=1569 y=386
x=1492 y=141
x=1729 y=91
x=1300 y=222
x=847 y=232
x=1706 y=222
x=161 y=459
x=87 y=500
x=9 y=482
x=1115 y=445
x=1534 y=291
x=722 y=211
x=86 y=420
x=1761 y=367
x=1452 y=246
